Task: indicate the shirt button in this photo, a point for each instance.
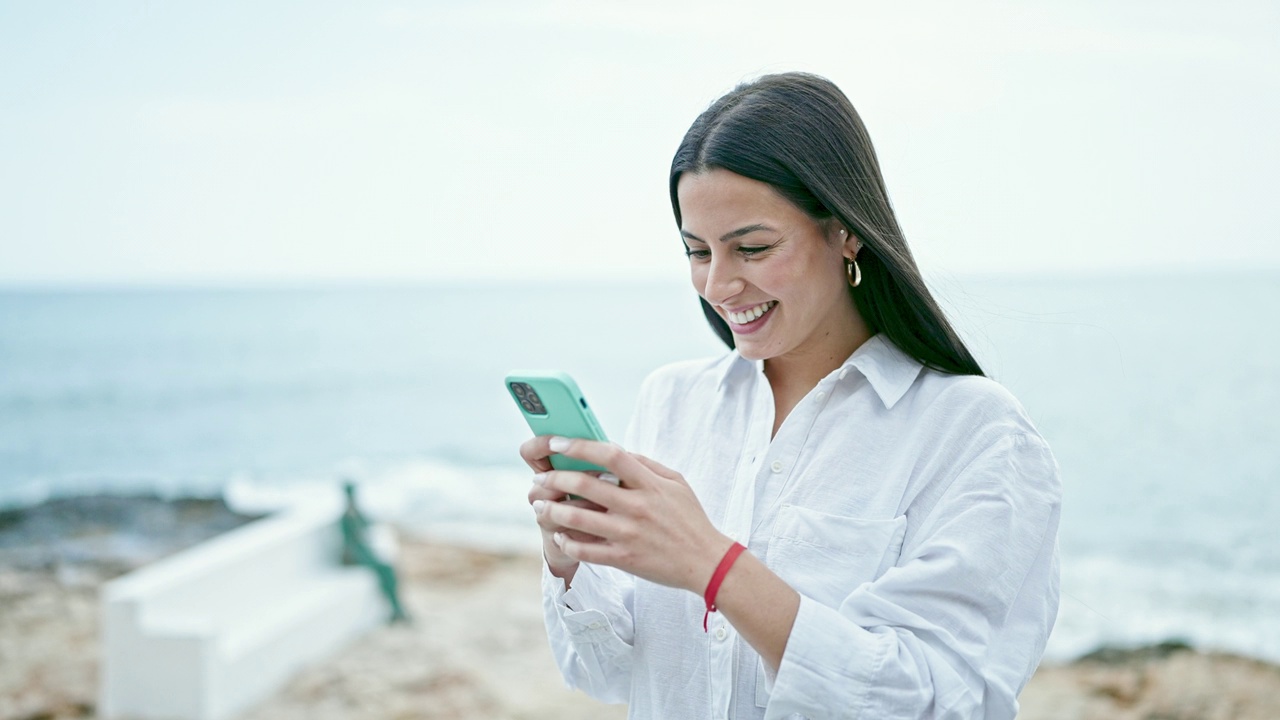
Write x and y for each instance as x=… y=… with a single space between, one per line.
x=721 y=634
x=843 y=373
x=777 y=466
x=595 y=626
x=820 y=395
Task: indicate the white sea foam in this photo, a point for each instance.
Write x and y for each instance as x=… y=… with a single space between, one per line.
x=479 y=507
x=1108 y=601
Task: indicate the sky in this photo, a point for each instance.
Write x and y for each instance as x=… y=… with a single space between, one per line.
x=300 y=142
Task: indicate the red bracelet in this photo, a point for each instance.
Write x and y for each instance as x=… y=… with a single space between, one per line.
x=717 y=577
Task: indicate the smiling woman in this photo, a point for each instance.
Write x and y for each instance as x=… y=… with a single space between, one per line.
x=776 y=277
x=800 y=136
x=864 y=524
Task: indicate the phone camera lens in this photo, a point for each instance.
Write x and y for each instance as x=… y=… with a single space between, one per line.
x=528 y=398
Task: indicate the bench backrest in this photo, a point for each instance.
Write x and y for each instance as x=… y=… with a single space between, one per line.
x=224 y=577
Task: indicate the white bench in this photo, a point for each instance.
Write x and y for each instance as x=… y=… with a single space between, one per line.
x=208 y=631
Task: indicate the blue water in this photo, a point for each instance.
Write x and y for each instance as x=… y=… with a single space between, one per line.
x=192 y=387
x=1159 y=396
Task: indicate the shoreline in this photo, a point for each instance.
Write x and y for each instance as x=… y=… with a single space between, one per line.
x=476 y=646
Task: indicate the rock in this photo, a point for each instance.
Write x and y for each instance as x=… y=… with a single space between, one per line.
x=1168 y=680
x=1108 y=655
x=107 y=535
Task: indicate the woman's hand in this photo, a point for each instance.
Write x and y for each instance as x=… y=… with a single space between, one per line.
x=536 y=453
x=650 y=525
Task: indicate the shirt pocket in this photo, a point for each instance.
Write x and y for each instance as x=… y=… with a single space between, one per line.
x=826 y=557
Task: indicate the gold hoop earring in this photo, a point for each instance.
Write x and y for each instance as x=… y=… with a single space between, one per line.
x=854 y=272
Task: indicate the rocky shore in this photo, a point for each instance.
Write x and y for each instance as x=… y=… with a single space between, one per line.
x=476 y=646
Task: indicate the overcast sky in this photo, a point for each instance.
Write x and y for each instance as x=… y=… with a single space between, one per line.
x=229 y=142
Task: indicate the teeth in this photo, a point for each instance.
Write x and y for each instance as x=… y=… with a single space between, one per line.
x=750 y=314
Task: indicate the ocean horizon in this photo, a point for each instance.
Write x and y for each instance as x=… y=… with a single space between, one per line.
x=1157 y=392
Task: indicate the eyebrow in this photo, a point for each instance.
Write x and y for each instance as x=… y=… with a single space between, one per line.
x=747 y=230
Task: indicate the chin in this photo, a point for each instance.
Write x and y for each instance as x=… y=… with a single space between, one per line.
x=751 y=351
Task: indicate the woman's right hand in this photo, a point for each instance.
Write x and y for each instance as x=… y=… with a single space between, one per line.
x=536 y=455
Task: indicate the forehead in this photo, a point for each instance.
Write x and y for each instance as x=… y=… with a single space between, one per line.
x=717 y=201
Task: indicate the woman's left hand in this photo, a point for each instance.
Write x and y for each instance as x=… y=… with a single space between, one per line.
x=653 y=525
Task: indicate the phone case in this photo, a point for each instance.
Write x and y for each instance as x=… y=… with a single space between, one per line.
x=567 y=413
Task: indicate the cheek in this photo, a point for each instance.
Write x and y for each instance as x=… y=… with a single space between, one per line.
x=788 y=283
x=811 y=287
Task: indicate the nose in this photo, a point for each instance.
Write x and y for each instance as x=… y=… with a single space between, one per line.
x=722 y=279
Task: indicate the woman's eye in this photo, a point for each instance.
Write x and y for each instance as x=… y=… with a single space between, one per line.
x=699 y=254
x=753 y=249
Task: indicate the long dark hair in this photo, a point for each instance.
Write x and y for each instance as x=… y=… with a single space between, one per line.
x=798 y=133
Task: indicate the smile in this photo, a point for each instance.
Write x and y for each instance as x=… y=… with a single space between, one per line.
x=752 y=314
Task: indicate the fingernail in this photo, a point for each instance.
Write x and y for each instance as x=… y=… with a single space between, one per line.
x=540 y=479
x=558 y=538
x=558 y=444
x=538 y=505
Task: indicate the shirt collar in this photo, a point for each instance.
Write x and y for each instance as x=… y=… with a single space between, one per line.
x=889 y=370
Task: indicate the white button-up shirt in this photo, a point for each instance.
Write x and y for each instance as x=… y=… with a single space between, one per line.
x=915 y=512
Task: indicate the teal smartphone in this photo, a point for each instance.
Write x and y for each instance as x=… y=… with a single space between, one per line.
x=552 y=404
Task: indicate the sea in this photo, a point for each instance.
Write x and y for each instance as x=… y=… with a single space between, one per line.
x=1160 y=395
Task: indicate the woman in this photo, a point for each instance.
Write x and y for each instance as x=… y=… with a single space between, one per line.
x=898 y=510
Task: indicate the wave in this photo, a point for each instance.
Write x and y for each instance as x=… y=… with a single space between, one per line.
x=479 y=506
x=1108 y=601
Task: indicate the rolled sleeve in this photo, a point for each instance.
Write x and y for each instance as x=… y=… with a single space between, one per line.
x=590 y=630
x=823 y=670
x=956 y=627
